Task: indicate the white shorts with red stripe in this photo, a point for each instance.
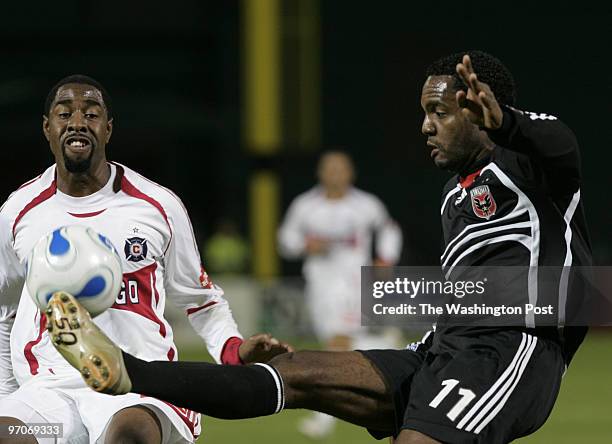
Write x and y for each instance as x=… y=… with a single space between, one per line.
x=85 y=414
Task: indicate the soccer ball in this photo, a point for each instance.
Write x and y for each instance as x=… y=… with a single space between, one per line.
x=79 y=261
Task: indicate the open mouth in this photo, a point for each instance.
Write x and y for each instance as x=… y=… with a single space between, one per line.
x=77 y=144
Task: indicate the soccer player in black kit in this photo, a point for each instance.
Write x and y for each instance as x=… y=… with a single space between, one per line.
x=514 y=201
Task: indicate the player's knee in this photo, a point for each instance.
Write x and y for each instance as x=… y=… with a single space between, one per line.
x=11 y=432
x=134 y=425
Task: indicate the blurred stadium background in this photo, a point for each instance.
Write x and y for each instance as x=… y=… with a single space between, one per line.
x=230 y=103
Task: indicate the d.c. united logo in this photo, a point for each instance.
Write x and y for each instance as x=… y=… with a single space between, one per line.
x=483 y=204
x=135 y=249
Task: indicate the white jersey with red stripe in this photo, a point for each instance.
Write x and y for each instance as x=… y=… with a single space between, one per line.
x=150 y=228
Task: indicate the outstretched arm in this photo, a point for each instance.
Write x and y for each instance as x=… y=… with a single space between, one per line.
x=541 y=136
x=189 y=287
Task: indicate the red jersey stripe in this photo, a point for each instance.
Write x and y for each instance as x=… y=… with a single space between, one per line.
x=202 y=307
x=189 y=417
x=27 y=351
x=144 y=306
x=81 y=215
x=131 y=190
x=44 y=195
x=171 y=354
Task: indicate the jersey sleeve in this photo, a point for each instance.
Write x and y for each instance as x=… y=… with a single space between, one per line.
x=8 y=383
x=388 y=234
x=11 y=284
x=545 y=139
x=291 y=235
x=12 y=271
x=190 y=288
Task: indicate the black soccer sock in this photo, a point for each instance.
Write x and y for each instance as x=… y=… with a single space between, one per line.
x=222 y=391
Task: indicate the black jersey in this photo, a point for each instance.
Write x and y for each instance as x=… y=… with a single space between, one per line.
x=521 y=207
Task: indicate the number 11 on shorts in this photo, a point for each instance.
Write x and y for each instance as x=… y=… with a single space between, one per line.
x=467 y=396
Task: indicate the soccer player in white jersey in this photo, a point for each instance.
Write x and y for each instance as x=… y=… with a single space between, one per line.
x=150 y=228
x=331 y=226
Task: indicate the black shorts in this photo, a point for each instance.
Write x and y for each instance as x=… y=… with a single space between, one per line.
x=488 y=389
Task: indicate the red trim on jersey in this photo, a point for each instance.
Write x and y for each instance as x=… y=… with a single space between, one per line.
x=230 y=354
x=155 y=292
x=180 y=202
x=95 y=213
x=30 y=182
x=119 y=172
x=469 y=179
x=184 y=414
x=191 y=311
x=131 y=190
x=44 y=195
x=171 y=354
x=27 y=351
x=144 y=305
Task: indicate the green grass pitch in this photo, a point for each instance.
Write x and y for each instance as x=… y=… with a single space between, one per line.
x=582 y=413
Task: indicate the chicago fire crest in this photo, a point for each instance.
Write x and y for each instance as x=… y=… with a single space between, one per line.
x=483 y=204
x=135 y=249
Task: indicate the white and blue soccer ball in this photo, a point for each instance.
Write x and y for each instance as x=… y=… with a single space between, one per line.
x=79 y=261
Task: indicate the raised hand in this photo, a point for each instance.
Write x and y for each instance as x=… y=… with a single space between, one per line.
x=261 y=348
x=479 y=103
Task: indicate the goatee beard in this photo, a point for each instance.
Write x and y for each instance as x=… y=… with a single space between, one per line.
x=77 y=166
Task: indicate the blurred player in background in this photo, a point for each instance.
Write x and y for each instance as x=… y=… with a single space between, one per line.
x=150 y=228
x=332 y=226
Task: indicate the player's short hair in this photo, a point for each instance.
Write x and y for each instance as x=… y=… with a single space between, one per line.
x=84 y=80
x=488 y=68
